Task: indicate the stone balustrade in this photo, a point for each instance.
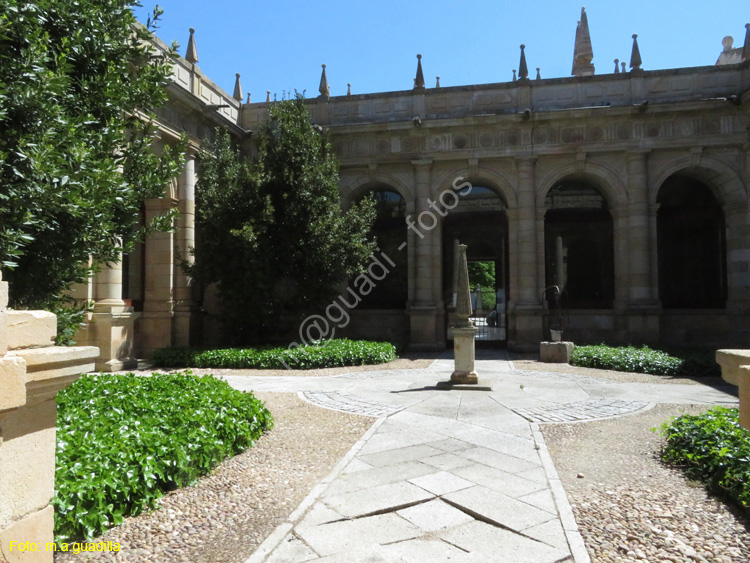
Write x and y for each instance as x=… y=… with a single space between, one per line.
x=735 y=369
x=32 y=371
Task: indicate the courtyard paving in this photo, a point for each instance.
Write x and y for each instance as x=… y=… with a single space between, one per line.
x=451 y=475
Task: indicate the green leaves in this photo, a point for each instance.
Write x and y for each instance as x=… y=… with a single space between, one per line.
x=123 y=439
x=645 y=360
x=331 y=353
x=712 y=448
x=75 y=166
x=274 y=229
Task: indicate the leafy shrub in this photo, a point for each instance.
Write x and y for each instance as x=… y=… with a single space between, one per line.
x=122 y=440
x=332 y=353
x=714 y=449
x=626 y=358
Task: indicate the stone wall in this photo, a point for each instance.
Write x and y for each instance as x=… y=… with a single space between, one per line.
x=32 y=371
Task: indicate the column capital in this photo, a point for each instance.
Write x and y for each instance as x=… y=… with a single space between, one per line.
x=422 y=162
x=160 y=204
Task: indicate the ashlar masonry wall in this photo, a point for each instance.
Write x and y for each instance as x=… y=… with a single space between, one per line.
x=32 y=371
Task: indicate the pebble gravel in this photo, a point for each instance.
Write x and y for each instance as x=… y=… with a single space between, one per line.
x=632 y=508
x=228 y=514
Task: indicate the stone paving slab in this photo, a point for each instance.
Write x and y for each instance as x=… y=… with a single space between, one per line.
x=451 y=475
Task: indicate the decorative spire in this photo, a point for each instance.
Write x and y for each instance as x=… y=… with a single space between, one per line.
x=538 y=75
x=437 y=83
x=582 y=52
x=623 y=66
x=237 y=88
x=348 y=88
x=514 y=75
x=248 y=98
x=523 y=69
x=463 y=297
x=419 y=80
x=617 y=66
x=635 y=55
x=268 y=96
x=191 y=55
x=746 y=48
x=324 y=89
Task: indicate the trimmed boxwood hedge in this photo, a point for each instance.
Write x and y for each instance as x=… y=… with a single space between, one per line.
x=331 y=353
x=712 y=448
x=646 y=360
x=123 y=439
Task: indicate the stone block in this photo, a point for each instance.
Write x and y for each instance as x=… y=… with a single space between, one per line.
x=35 y=531
x=556 y=352
x=31 y=329
x=730 y=362
x=12 y=382
x=27 y=461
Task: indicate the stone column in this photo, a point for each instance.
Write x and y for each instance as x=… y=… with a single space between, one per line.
x=642 y=294
x=156 y=323
x=108 y=288
x=527 y=331
x=423 y=309
x=184 y=307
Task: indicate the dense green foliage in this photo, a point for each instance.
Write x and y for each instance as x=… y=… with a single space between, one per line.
x=646 y=360
x=273 y=233
x=329 y=353
x=483 y=274
x=78 y=81
x=122 y=440
x=714 y=449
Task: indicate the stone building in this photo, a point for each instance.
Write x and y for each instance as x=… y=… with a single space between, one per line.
x=626 y=190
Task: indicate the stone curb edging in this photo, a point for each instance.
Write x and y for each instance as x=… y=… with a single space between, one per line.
x=272 y=542
x=570 y=528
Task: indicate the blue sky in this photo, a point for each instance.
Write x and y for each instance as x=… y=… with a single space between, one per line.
x=279 y=46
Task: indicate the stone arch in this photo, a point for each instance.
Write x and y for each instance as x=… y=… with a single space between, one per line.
x=719 y=177
x=359 y=186
x=496 y=181
x=602 y=177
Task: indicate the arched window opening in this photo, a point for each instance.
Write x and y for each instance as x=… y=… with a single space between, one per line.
x=691 y=246
x=389 y=230
x=579 y=246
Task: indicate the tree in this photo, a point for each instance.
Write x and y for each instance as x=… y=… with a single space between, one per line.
x=273 y=234
x=78 y=82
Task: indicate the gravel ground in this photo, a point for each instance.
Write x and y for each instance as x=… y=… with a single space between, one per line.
x=631 y=507
x=611 y=375
x=228 y=514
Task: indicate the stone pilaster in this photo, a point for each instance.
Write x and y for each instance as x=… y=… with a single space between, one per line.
x=184 y=306
x=156 y=320
x=423 y=310
x=110 y=326
x=526 y=332
x=640 y=232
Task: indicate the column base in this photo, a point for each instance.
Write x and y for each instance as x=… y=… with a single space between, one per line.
x=423 y=328
x=114 y=334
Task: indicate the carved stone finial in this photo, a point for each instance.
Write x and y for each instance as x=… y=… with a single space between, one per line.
x=348 y=88
x=324 y=89
x=419 y=80
x=191 y=55
x=538 y=74
x=248 y=98
x=268 y=96
x=437 y=83
x=514 y=75
x=635 y=54
x=623 y=66
x=523 y=69
x=237 y=88
x=746 y=47
x=583 y=53
x=463 y=297
x=617 y=66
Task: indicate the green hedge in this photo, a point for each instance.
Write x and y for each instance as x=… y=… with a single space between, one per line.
x=714 y=449
x=332 y=353
x=646 y=360
x=122 y=440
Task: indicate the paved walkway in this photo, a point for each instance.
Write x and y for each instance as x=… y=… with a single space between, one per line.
x=459 y=476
